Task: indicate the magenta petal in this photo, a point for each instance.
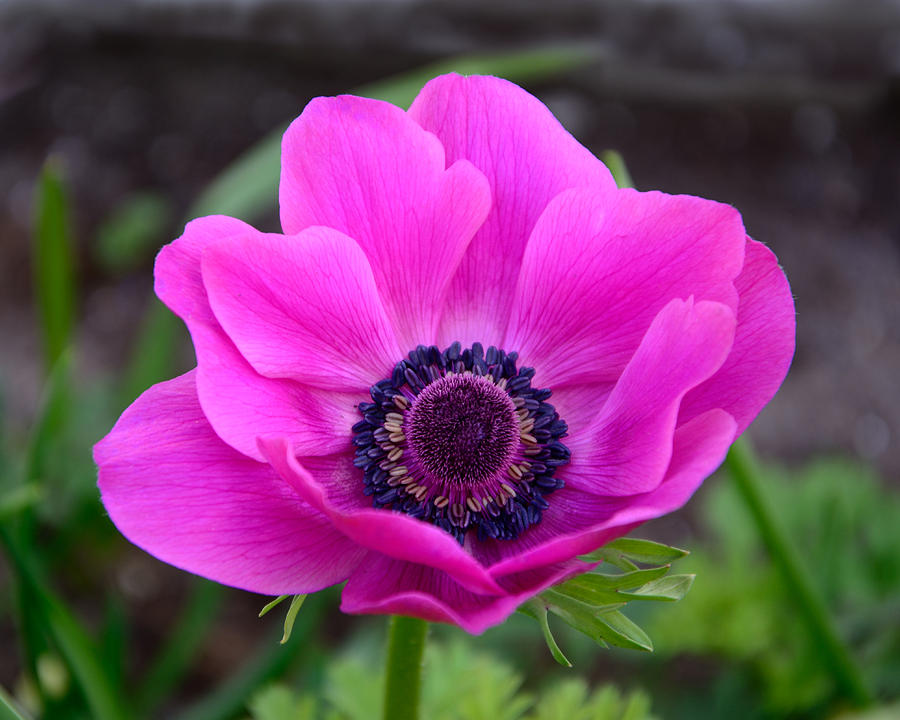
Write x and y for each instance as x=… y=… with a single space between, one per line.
x=629 y=447
x=239 y=402
x=365 y=168
x=173 y=488
x=763 y=343
x=577 y=523
x=391 y=533
x=598 y=269
x=387 y=585
x=528 y=158
x=304 y=308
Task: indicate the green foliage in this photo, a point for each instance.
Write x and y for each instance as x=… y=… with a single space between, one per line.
x=591 y=602
x=133 y=232
x=53 y=262
x=571 y=699
x=845 y=526
x=9 y=708
x=459 y=684
x=277 y=702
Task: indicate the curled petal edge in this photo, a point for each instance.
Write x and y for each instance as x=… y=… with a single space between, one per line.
x=393 y=534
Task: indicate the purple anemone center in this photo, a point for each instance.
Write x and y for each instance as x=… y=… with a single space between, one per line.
x=461 y=439
x=462 y=429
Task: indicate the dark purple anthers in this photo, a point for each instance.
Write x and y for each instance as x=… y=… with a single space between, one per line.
x=461 y=439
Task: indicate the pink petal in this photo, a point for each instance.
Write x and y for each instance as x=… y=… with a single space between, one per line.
x=578 y=522
x=304 y=308
x=387 y=585
x=334 y=486
x=629 y=446
x=763 y=343
x=528 y=158
x=597 y=270
x=239 y=402
x=363 y=167
x=173 y=488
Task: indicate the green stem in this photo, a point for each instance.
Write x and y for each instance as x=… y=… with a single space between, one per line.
x=847 y=675
x=406 y=646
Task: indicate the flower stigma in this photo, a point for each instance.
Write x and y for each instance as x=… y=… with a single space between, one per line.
x=461 y=439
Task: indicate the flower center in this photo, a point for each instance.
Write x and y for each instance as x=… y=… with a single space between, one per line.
x=461 y=439
x=462 y=429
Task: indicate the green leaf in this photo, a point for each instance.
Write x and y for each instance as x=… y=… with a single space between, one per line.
x=670 y=588
x=602 y=589
x=609 y=626
x=577 y=614
x=535 y=609
x=132 y=233
x=631 y=550
x=625 y=633
x=291 y=616
x=53 y=265
x=45 y=433
x=268 y=606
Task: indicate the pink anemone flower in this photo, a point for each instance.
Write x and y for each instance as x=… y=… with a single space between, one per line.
x=468 y=360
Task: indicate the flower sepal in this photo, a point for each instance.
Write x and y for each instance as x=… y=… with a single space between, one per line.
x=592 y=602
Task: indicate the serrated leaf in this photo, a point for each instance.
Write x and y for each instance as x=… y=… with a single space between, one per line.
x=670 y=589
x=296 y=604
x=268 y=606
x=535 y=609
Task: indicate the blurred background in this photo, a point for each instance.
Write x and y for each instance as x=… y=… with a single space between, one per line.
x=120 y=121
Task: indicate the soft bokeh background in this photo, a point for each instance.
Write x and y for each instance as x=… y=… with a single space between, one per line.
x=788 y=110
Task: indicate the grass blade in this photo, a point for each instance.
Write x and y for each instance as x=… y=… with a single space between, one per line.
x=68 y=636
x=9 y=710
x=183 y=643
x=53 y=266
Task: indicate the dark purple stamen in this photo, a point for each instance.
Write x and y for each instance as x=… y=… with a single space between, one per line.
x=460 y=438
